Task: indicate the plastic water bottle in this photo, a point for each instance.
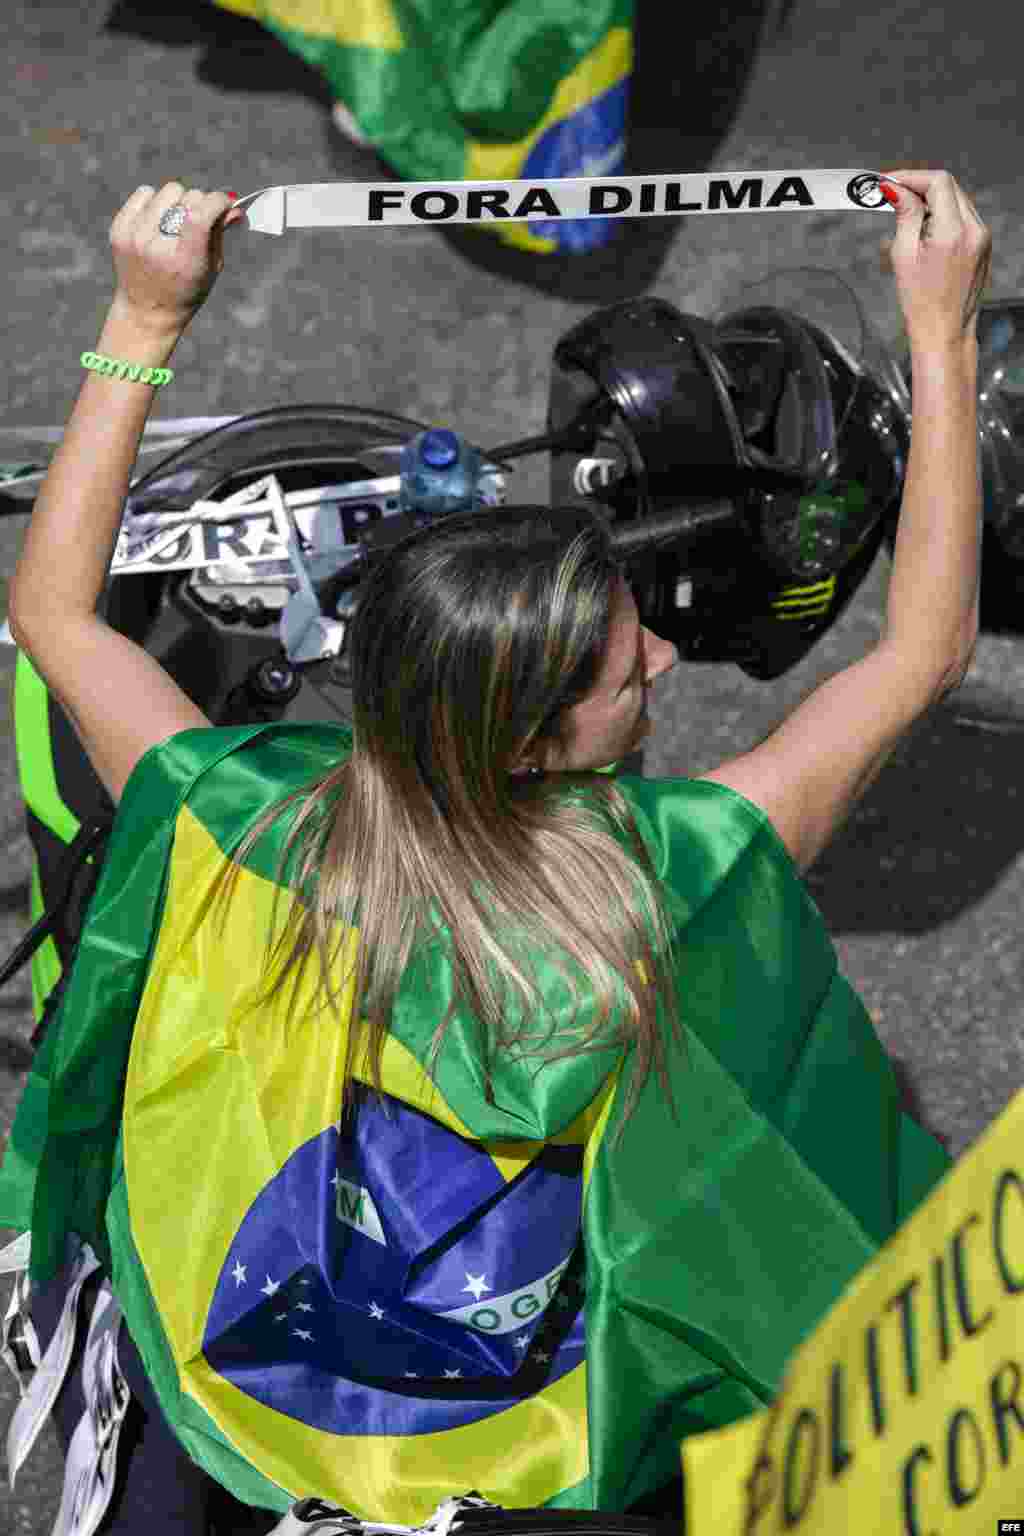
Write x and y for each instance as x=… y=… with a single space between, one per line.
x=440 y=473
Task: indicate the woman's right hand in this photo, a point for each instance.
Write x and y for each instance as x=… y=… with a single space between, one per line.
x=941 y=256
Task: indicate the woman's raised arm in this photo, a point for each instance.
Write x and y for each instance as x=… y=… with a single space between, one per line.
x=119 y=699
x=809 y=774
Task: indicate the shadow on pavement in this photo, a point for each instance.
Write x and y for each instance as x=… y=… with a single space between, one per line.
x=932 y=837
x=15 y=1055
x=686 y=90
x=14 y=898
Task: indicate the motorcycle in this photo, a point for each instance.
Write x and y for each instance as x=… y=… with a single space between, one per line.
x=750 y=467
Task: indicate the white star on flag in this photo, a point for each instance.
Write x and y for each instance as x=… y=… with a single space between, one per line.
x=523 y=1341
x=451 y=1374
x=477 y=1284
x=303 y=1306
x=414 y=1374
x=270 y=1287
x=238 y=1272
x=280 y=1317
x=300 y=1333
x=539 y=1355
x=375 y=1311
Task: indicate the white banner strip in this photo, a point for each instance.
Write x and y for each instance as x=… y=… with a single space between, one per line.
x=322 y=205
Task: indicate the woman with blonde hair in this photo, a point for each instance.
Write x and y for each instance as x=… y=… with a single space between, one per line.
x=568 y=1035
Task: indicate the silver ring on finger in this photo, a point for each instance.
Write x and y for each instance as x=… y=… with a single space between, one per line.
x=173 y=220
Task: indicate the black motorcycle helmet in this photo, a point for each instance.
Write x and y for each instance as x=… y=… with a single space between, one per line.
x=808 y=435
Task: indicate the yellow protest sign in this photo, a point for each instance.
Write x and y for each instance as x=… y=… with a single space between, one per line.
x=903 y=1411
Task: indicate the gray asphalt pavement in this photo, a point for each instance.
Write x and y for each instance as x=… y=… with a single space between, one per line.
x=923 y=888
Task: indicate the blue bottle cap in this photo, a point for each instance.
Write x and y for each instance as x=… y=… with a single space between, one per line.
x=439 y=448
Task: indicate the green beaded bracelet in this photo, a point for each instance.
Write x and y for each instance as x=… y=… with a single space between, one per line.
x=111 y=367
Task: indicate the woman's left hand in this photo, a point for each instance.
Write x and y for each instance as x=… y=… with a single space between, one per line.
x=163 y=280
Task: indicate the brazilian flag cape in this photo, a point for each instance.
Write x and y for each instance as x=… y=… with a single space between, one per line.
x=487 y=90
x=479 y=1285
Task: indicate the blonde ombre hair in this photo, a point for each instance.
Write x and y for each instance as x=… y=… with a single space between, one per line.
x=472 y=639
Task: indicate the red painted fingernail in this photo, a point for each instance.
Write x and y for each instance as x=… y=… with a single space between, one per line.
x=889 y=193
x=233 y=196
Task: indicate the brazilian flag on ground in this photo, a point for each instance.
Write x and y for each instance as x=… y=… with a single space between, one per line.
x=480 y=1286
x=492 y=90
